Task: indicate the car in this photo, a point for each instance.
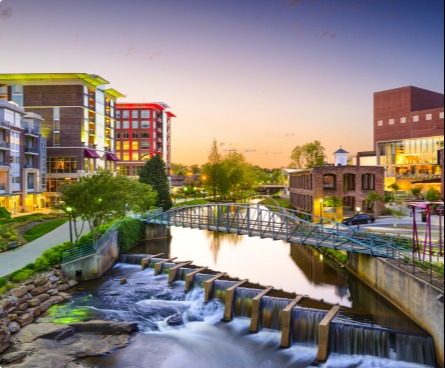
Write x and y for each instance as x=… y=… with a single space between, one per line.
x=439 y=210
x=359 y=219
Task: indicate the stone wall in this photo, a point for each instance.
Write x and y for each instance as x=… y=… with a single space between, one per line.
x=20 y=306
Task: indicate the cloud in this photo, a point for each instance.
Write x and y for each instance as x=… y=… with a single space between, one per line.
x=289 y=135
x=249 y=150
x=328 y=35
x=6 y=13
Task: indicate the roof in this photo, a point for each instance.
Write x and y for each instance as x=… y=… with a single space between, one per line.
x=140 y=105
x=341 y=150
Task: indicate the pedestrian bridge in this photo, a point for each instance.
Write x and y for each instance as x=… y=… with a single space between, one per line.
x=274 y=223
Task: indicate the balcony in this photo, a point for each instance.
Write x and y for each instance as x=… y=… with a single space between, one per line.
x=32 y=131
x=32 y=150
x=4 y=125
x=4 y=163
x=30 y=166
x=4 y=145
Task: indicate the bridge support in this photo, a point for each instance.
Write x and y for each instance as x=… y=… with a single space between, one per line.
x=286 y=321
x=208 y=286
x=230 y=294
x=159 y=265
x=189 y=278
x=323 y=334
x=256 y=303
x=145 y=262
x=172 y=271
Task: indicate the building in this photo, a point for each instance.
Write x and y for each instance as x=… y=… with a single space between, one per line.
x=142 y=130
x=408 y=133
x=312 y=189
x=78 y=111
x=22 y=159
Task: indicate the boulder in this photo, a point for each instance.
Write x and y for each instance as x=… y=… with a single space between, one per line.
x=14 y=327
x=19 y=292
x=104 y=327
x=42 y=330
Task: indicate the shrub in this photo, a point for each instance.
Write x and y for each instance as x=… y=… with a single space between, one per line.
x=41 y=264
x=3 y=282
x=4 y=213
x=130 y=232
x=21 y=275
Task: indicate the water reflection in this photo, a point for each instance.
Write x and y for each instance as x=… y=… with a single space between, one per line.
x=293 y=268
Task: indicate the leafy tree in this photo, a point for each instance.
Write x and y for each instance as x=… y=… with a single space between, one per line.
x=373 y=198
x=416 y=191
x=335 y=203
x=240 y=174
x=213 y=170
x=307 y=156
x=103 y=196
x=178 y=169
x=154 y=173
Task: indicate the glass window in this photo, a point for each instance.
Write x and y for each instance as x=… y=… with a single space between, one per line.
x=329 y=181
x=118 y=145
x=145 y=124
x=135 y=145
x=145 y=135
x=126 y=156
x=135 y=135
x=126 y=145
x=135 y=124
x=348 y=182
x=368 y=181
x=135 y=156
x=403 y=120
x=429 y=116
x=125 y=124
x=415 y=118
x=118 y=113
x=145 y=114
x=118 y=124
x=125 y=135
x=145 y=145
x=380 y=123
x=134 y=114
x=391 y=121
x=125 y=114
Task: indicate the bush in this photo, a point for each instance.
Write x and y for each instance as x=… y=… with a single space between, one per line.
x=41 y=264
x=130 y=232
x=3 y=282
x=21 y=275
x=4 y=213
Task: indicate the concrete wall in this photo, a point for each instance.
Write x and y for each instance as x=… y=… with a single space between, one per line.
x=95 y=265
x=156 y=232
x=416 y=298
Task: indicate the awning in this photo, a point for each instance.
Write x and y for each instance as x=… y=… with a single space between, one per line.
x=428 y=181
x=90 y=153
x=112 y=156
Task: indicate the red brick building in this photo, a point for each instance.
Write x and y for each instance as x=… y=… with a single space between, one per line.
x=142 y=130
x=408 y=132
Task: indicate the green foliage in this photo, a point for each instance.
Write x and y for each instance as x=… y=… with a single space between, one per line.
x=416 y=191
x=41 y=264
x=130 y=232
x=3 y=282
x=4 y=213
x=42 y=229
x=338 y=255
x=154 y=173
x=333 y=201
x=193 y=202
x=21 y=275
x=432 y=195
x=307 y=156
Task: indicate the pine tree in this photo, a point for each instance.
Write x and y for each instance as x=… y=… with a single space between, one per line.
x=154 y=173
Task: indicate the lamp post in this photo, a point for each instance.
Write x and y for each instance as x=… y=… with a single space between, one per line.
x=358 y=220
x=70 y=210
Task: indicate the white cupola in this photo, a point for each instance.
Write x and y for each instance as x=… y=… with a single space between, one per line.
x=341 y=157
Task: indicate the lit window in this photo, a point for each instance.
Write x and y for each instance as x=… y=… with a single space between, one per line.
x=416 y=118
x=391 y=121
x=441 y=115
x=429 y=116
x=380 y=123
x=126 y=156
x=126 y=145
x=402 y=120
x=135 y=156
x=135 y=145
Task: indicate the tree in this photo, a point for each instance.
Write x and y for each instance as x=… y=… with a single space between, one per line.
x=334 y=203
x=307 y=156
x=372 y=199
x=154 y=173
x=432 y=195
x=213 y=170
x=101 y=197
x=416 y=191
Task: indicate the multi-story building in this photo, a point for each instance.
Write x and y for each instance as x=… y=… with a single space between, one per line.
x=408 y=133
x=311 y=188
x=142 y=130
x=22 y=159
x=78 y=111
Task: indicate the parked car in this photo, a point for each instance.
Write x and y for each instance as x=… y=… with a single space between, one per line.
x=360 y=218
x=439 y=210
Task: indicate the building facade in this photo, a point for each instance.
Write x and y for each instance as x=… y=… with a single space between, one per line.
x=142 y=130
x=79 y=122
x=22 y=159
x=408 y=133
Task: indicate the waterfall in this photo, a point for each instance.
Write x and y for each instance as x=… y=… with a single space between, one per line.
x=200 y=278
x=131 y=258
x=220 y=287
x=370 y=340
x=305 y=325
x=243 y=301
x=270 y=312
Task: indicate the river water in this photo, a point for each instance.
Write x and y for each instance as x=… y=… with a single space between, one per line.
x=178 y=330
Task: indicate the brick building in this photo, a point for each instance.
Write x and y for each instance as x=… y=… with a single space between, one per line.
x=142 y=130
x=408 y=132
x=22 y=159
x=78 y=111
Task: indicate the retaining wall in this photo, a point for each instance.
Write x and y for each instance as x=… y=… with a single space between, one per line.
x=95 y=265
x=422 y=302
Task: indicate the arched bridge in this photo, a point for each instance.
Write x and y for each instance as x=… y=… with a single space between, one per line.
x=274 y=223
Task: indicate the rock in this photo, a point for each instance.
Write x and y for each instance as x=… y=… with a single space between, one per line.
x=105 y=327
x=53 y=279
x=39 y=290
x=45 y=305
x=43 y=330
x=72 y=283
x=43 y=297
x=14 y=327
x=56 y=299
x=42 y=280
x=19 y=292
x=13 y=356
x=5 y=304
x=37 y=311
x=23 y=306
x=34 y=302
x=175 y=320
x=65 y=296
x=63 y=287
x=44 y=359
x=123 y=281
x=25 y=319
x=4 y=345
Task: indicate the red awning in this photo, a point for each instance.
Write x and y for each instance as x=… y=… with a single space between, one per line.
x=112 y=156
x=90 y=153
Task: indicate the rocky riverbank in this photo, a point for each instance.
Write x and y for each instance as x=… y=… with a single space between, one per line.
x=24 y=343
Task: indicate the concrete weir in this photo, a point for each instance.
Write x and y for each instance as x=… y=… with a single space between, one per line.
x=190 y=276
x=230 y=294
x=159 y=265
x=208 y=286
x=323 y=334
x=146 y=261
x=256 y=303
x=286 y=322
x=173 y=270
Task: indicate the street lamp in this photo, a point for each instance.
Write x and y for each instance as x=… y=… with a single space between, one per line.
x=358 y=219
x=70 y=210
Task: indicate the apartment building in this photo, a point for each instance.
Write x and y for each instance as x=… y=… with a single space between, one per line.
x=22 y=159
x=142 y=130
x=78 y=111
x=408 y=134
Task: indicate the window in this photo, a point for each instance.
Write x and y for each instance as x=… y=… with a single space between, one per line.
x=126 y=145
x=380 y=123
x=118 y=135
x=145 y=124
x=123 y=170
x=135 y=156
x=135 y=135
x=368 y=181
x=403 y=120
x=135 y=145
x=118 y=113
x=135 y=124
x=61 y=164
x=134 y=114
x=125 y=124
x=415 y=118
x=145 y=114
x=56 y=139
x=125 y=114
x=125 y=135
x=145 y=135
x=441 y=115
x=118 y=124
x=348 y=182
x=329 y=181
x=391 y=121
x=145 y=145
x=428 y=116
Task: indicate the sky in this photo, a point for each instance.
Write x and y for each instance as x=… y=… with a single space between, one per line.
x=257 y=76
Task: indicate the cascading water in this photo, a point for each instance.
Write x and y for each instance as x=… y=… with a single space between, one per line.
x=243 y=301
x=305 y=325
x=270 y=311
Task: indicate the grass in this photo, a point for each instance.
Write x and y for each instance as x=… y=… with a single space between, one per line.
x=42 y=229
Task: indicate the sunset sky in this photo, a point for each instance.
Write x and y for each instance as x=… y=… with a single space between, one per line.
x=259 y=76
